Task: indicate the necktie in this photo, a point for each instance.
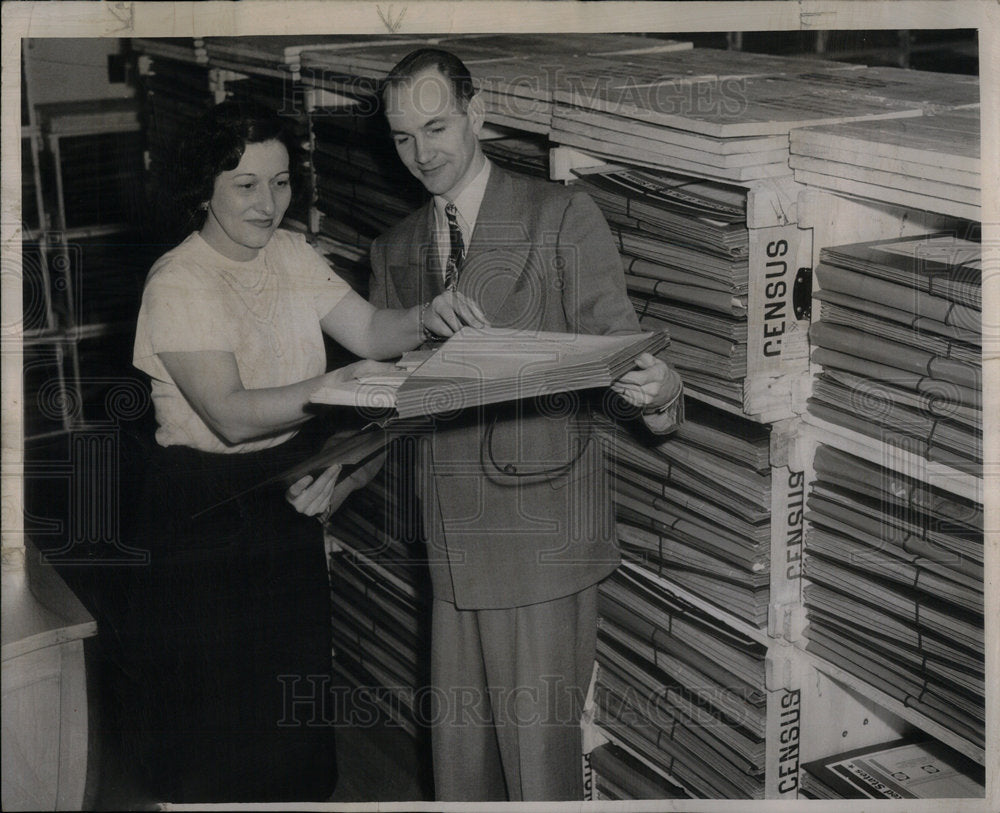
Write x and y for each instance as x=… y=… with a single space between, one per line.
x=457 y=252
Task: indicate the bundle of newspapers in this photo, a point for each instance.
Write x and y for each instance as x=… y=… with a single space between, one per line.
x=618 y=775
x=515 y=74
x=727 y=115
x=361 y=186
x=657 y=102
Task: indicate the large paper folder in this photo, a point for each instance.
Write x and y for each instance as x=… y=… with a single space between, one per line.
x=479 y=366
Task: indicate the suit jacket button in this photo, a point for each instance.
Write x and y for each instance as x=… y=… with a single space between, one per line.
x=510 y=468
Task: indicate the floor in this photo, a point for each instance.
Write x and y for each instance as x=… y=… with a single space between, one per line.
x=377 y=763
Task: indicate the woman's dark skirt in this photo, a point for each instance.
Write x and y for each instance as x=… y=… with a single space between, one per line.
x=223 y=638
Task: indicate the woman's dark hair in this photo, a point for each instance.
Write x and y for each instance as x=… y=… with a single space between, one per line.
x=217 y=143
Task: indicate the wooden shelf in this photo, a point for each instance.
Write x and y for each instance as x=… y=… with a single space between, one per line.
x=898 y=708
x=873 y=450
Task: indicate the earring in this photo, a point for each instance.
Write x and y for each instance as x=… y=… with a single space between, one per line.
x=203 y=206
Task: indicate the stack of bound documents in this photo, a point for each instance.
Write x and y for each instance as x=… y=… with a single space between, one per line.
x=362 y=188
x=685 y=246
x=682 y=690
x=930 y=163
x=276 y=56
x=523 y=154
x=718 y=114
x=516 y=74
x=619 y=776
x=896 y=587
x=695 y=509
x=899 y=342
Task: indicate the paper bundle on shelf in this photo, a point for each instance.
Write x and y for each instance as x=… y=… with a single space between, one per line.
x=515 y=74
x=896 y=587
x=899 y=342
x=566 y=44
x=695 y=509
x=685 y=248
x=720 y=114
x=275 y=56
x=620 y=776
x=527 y=155
x=933 y=92
x=680 y=689
x=931 y=162
x=518 y=89
x=361 y=186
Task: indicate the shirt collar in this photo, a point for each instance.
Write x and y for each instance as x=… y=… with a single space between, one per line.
x=468 y=201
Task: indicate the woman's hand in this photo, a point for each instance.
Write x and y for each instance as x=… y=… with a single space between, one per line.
x=312 y=496
x=446 y=313
x=324 y=495
x=358 y=478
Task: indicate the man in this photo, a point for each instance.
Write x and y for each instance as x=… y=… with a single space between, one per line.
x=514 y=498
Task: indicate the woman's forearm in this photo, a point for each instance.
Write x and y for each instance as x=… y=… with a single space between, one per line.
x=382 y=333
x=211 y=383
x=394 y=331
x=243 y=415
x=370 y=332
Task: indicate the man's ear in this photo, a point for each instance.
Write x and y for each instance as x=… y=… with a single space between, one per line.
x=477 y=113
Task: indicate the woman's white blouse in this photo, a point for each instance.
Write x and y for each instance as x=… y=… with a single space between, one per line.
x=265 y=311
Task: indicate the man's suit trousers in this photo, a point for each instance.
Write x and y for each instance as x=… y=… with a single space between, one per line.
x=509 y=688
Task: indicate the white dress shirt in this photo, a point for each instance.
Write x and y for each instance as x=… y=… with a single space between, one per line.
x=468 y=202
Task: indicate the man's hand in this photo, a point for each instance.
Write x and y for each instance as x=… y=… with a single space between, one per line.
x=447 y=312
x=651 y=385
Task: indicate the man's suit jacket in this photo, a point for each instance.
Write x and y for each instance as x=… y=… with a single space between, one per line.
x=515 y=497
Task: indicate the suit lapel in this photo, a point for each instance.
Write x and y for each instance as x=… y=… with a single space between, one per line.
x=498 y=251
x=421 y=272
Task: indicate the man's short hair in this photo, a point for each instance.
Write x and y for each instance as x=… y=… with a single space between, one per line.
x=446 y=63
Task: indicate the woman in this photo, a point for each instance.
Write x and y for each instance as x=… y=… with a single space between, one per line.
x=226 y=642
